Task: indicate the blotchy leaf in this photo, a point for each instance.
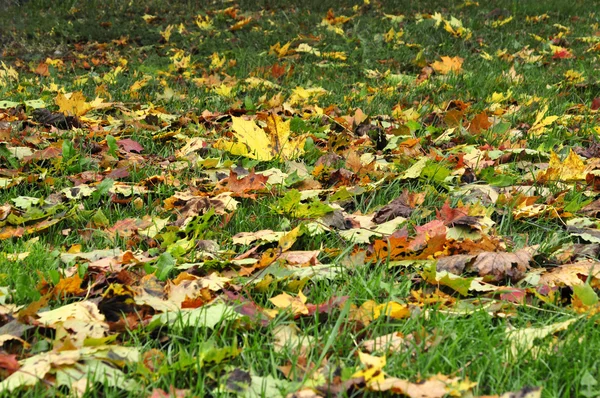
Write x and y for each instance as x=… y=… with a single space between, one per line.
x=571 y=274
x=497 y=266
x=454 y=264
x=82 y=318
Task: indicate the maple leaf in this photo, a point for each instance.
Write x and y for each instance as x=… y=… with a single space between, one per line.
x=447 y=65
x=82 y=318
x=542 y=121
x=256 y=143
x=373 y=372
x=499 y=265
x=479 y=122
x=240 y=186
x=75 y=104
x=397 y=208
x=296 y=304
x=572 y=169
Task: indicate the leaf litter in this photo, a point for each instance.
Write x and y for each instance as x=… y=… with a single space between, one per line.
x=459 y=168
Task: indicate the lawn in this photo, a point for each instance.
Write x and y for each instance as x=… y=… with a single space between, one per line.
x=299 y=199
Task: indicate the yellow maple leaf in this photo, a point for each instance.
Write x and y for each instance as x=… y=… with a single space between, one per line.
x=204 y=22
x=301 y=95
x=280 y=138
x=216 y=61
x=254 y=142
x=542 y=122
x=281 y=51
x=72 y=104
x=149 y=18
x=572 y=169
x=447 y=65
x=296 y=304
x=373 y=372
x=166 y=34
x=392 y=309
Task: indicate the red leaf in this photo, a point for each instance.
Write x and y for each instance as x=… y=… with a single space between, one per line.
x=596 y=103
x=562 y=54
x=9 y=362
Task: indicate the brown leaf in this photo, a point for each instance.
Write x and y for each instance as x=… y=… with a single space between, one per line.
x=128 y=226
x=251 y=182
x=571 y=274
x=338 y=388
x=152 y=359
x=449 y=215
x=392 y=342
x=396 y=208
x=453 y=118
x=42 y=69
x=327 y=306
x=592 y=209
x=479 y=122
x=454 y=264
x=497 y=266
x=44 y=154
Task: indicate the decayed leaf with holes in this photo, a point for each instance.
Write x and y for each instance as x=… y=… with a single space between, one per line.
x=571 y=274
x=254 y=142
x=83 y=319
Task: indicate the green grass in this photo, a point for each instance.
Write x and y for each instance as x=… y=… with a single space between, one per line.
x=377 y=77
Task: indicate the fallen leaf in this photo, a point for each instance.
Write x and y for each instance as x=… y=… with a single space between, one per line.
x=497 y=266
x=256 y=143
x=524 y=340
x=447 y=65
x=572 y=169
